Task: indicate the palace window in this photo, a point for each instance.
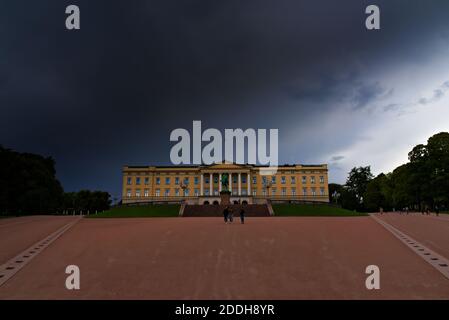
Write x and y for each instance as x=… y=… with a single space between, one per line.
x=147 y=181
x=146 y=193
x=254 y=193
x=138 y=180
x=264 y=192
x=322 y=191
x=273 y=191
x=283 y=180
x=206 y=180
x=314 y=192
x=254 y=180
x=244 y=192
x=206 y=192
x=321 y=179
x=128 y=180
x=264 y=180
x=186 y=192
x=293 y=179
x=216 y=192
x=197 y=192
x=312 y=179
x=167 y=192
x=138 y=193
x=273 y=179
x=304 y=191
x=304 y=179
x=243 y=179
x=158 y=192
x=215 y=179
x=196 y=180
x=128 y=193
x=158 y=180
x=293 y=191
x=186 y=181
x=234 y=178
x=177 y=192
x=284 y=192
x=177 y=181
x=234 y=192
x=167 y=180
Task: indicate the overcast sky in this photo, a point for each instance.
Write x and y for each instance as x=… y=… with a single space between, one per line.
x=111 y=93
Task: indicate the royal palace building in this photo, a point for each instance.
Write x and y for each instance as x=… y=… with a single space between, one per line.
x=202 y=184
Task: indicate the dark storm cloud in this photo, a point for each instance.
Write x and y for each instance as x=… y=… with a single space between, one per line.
x=110 y=94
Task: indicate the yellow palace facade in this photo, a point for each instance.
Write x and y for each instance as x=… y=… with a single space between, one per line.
x=202 y=184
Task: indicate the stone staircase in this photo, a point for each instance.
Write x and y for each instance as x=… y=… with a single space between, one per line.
x=251 y=210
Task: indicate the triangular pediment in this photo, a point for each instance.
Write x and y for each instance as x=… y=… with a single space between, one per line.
x=226 y=165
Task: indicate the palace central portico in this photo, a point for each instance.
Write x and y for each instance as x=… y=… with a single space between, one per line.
x=215 y=174
x=202 y=184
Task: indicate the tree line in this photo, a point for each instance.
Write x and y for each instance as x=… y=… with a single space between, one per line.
x=28 y=185
x=420 y=184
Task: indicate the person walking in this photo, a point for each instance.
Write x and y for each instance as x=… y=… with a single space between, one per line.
x=381 y=210
x=231 y=215
x=242 y=215
x=437 y=211
x=226 y=214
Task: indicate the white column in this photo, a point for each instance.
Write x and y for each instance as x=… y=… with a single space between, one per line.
x=240 y=184
x=248 y=183
x=230 y=182
x=211 y=184
x=202 y=185
x=219 y=182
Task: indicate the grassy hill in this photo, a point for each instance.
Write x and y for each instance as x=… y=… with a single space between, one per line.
x=163 y=210
x=310 y=210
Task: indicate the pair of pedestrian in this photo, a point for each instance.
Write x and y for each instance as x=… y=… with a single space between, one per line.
x=228 y=215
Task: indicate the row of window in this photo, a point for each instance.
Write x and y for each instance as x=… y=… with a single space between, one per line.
x=186 y=180
x=196 y=192
x=292 y=172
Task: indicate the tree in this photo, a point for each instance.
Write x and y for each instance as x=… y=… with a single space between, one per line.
x=356 y=186
x=87 y=201
x=403 y=191
x=28 y=183
x=335 y=191
x=377 y=193
x=438 y=168
x=349 y=200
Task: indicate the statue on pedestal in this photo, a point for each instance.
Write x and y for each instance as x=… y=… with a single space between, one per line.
x=225 y=183
x=225 y=194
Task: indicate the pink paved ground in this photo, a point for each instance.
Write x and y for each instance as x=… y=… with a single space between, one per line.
x=202 y=258
x=431 y=231
x=17 y=234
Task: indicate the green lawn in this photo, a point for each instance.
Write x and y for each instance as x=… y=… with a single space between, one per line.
x=309 y=210
x=163 y=210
